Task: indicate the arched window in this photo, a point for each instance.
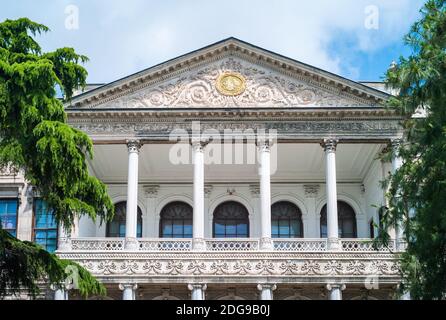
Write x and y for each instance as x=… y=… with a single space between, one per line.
x=286 y=220
x=176 y=220
x=346 y=221
x=116 y=227
x=231 y=220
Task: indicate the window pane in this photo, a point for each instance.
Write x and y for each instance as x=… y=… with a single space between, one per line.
x=231 y=228
x=231 y=220
x=219 y=228
x=188 y=231
x=8 y=215
x=176 y=220
x=167 y=227
x=284 y=227
x=178 y=229
x=323 y=231
x=295 y=229
x=242 y=229
x=274 y=229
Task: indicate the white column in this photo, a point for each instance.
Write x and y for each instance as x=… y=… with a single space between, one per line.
x=266 y=291
x=132 y=195
x=128 y=290
x=198 y=290
x=198 y=213
x=329 y=146
x=265 y=194
x=335 y=291
x=397 y=162
x=60 y=292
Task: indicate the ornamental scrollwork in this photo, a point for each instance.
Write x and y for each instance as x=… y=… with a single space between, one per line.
x=261 y=87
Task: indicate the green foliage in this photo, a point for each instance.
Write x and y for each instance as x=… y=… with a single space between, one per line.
x=25 y=264
x=34 y=135
x=417 y=191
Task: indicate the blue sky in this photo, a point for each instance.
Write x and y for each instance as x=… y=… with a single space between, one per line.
x=123 y=37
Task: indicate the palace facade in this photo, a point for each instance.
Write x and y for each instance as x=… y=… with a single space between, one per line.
x=236 y=173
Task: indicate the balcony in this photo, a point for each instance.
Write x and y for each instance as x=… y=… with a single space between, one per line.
x=223 y=245
x=234 y=260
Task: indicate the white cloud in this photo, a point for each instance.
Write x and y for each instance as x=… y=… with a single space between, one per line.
x=122 y=37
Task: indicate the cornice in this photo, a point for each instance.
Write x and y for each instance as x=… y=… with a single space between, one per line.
x=159 y=115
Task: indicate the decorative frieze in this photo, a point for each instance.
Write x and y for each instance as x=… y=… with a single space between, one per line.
x=365 y=129
x=355 y=267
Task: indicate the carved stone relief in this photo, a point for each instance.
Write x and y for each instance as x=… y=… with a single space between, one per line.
x=264 y=88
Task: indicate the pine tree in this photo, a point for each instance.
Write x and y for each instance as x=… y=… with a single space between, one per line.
x=418 y=189
x=35 y=137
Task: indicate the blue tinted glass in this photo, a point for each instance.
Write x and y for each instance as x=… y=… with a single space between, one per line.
x=323 y=231
x=52 y=234
x=274 y=230
x=8 y=215
x=284 y=227
x=295 y=229
x=167 y=228
x=139 y=230
x=41 y=221
x=122 y=230
x=242 y=229
x=41 y=234
x=113 y=227
x=188 y=229
x=219 y=229
x=177 y=229
x=231 y=229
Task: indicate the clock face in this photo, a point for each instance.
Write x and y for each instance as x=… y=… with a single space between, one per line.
x=231 y=84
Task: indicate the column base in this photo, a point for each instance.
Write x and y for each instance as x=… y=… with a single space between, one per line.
x=198 y=245
x=266 y=244
x=334 y=244
x=131 y=244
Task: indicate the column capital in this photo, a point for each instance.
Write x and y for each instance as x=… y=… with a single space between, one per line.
x=194 y=286
x=266 y=286
x=123 y=286
x=395 y=143
x=198 y=144
x=134 y=145
x=264 y=144
x=330 y=144
x=332 y=286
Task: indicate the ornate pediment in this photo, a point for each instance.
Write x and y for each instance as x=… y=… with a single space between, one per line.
x=232 y=79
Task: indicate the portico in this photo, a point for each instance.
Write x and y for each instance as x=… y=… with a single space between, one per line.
x=238 y=170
